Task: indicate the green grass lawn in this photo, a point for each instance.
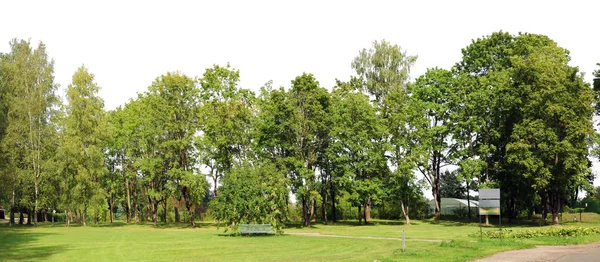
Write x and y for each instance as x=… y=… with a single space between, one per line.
x=177 y=242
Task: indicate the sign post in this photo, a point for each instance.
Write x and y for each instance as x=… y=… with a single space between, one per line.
x=489 y=204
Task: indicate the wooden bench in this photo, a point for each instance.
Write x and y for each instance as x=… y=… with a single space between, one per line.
x=256 y=229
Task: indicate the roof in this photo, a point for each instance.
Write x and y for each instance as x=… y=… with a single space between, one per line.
x=455 y=202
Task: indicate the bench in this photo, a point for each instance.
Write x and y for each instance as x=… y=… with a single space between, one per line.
x=256 y=229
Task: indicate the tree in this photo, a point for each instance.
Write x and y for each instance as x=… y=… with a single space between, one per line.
x=550 y=144
x=357 y=146
x=252 y=194
x=432 y=101
x=310 y=102
x=178 y=107
x=227 y=114
x=85 y=134
x=29 y=88
x=528 y=93
x=384 y=70
x=451 y=186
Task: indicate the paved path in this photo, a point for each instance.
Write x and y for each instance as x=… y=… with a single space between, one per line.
x=579 y=253
x=367 y=237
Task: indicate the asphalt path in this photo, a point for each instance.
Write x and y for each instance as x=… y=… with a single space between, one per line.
x=588 y=254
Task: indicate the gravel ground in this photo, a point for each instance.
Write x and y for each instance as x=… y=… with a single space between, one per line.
x=579 y=253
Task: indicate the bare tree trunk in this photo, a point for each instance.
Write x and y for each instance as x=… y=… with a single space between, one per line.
x=12 y=210
x=359 y=215
x=313 y=209
x=29 y=216
x=21 y=219
x=84 y=215
x=128 y=216
x=468 y=202
x=333 y=211
x=68 y=217
x=112 y=204
x=136 y=204
x=305 y=214
x=324 y=206
x=437 y=200
x=404 y=207
x=35 y=213
x=164 y=218
x=368 y=210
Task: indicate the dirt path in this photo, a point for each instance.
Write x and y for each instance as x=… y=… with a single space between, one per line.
x=367 y=237
x=579 y=253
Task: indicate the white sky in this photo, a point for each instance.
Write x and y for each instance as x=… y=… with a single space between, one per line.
x=127 y=44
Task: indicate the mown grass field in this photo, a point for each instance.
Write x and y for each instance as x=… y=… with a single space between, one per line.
x=177 y=242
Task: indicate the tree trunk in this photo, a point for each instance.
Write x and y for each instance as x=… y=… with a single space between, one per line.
x=324 y=206
x=544 y=207
x=35 y=208
x=359 y=215
x=333 y=211
x=128 y=216
x=12 y=210
x=555 y=207
x=164 y=218
x=29 y=216
x=313 y=209
x=215 y=180
x=304 y=212
x=21 y=218
x=468 y=202
x=154 y=215
x=177 y=218
x=112 y=204
x=84 y=215
x=437 y=200
x=368 y=210
x=404 y=207
x=136 y=203
x=68 y=218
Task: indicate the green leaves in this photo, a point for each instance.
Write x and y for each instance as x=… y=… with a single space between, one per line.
x=252 y=194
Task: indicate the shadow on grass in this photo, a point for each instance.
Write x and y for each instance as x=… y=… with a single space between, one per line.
x=15 y=243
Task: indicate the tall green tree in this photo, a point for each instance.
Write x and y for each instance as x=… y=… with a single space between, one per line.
x=431 y=121
x=384 y=70
x=550 y=145
x=85 y=136
x=311 y=103
x=178 y=98
x=227 y=112
x=30 y=103
x=357 y=146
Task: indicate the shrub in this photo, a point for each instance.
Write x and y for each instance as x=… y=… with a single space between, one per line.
x=552 y=232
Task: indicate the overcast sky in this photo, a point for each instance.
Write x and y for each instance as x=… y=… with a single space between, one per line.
x=127 y=44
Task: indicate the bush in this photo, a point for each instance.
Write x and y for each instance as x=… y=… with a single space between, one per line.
x=252 y=195
x=553 y=232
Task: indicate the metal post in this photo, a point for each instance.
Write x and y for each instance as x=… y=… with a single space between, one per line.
x=403 y=242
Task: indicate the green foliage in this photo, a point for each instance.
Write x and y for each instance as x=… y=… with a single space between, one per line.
x=252 y=194
x=83 y=140
x=226 y=112
x=538 y=233
x=450 y=186
x=27 y=130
